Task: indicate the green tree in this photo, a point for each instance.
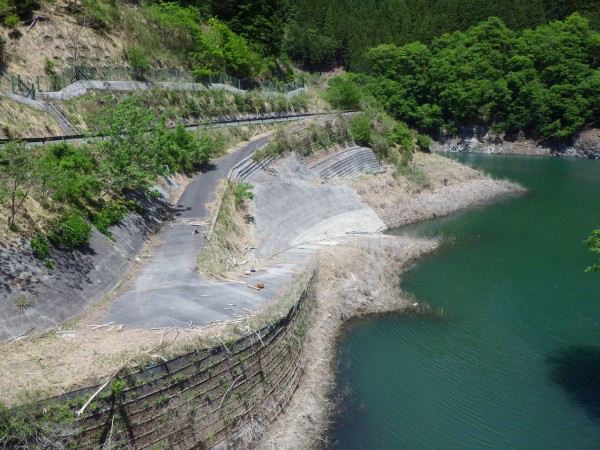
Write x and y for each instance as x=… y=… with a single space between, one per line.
x=126 y=157
x=220 y=50
x=593 y=242
x=360 y=129
x=18 y=176
x=68 y=175
x=138 y=61
x=343 y=93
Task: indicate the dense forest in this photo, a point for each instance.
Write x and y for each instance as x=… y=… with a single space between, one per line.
x=314 y=34
x=326 y=33
x=545 y=81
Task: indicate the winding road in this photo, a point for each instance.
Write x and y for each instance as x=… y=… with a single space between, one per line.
x=168 y=291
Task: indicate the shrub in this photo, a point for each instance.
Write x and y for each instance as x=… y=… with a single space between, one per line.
x=360 y=129
x=11 y=21
x=73 y=232
x=138 y=60
x=111 y=214
x=343 y=93
x=242 y=191
x=424 y=142
x=41 y=247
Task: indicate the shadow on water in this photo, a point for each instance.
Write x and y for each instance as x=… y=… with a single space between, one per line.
x=577 y=371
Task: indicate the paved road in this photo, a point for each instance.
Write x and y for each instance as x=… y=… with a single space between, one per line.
x=168 y=291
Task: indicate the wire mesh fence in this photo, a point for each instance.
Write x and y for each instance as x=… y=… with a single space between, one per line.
x=27 y=86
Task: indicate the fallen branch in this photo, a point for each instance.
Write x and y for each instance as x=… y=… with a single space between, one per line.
x=162 y=340
x=20 y=335
x=230 y=388
x=34 y=19
x=85 y=405
x=123 y=239
x=260 y=339
x=159 y=357
x=104 y=325
x=222 y=343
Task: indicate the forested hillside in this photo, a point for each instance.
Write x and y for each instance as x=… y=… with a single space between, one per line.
x=326 y=33
x=257 y=38
x=242 y=39
x=544 y=81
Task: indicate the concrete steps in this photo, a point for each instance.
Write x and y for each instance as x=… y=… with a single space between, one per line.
x=61 y=117
x=348 y=164
x=246 y=167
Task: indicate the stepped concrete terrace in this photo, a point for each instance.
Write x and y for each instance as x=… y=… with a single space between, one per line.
x=348 y=163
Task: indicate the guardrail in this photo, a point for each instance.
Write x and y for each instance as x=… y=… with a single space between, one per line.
x=192 y=126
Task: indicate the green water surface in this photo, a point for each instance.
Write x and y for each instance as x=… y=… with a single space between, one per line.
x=514 y=362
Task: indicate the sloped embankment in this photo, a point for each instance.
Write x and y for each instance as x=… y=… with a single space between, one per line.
x=359 y=277
x=293 y=206
x=33 y=296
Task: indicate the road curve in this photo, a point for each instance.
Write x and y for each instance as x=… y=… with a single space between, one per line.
x=168 y=291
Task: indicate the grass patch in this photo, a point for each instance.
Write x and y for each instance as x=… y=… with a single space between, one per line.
x=176 y=106
x=231 y=238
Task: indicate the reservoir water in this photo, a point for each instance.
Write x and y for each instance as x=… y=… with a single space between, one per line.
x=514 y=359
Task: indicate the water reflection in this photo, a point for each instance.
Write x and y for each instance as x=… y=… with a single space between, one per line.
x=577 y=371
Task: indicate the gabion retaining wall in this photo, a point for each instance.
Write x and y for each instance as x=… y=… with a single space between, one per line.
x=220 y=396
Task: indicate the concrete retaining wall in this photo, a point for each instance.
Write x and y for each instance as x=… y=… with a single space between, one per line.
x=213 y=397
x=293 y=207
x=80 y=88
x=79 y=278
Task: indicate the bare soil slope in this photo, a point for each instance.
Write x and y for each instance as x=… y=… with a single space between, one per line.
x=60 y=39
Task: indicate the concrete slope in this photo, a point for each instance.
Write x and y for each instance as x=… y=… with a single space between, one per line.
x=295 y=216
x=293 y=208
x=79 y=278
x=348 y=163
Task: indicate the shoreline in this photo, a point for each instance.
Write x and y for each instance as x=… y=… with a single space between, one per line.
x=482 y=140
x=360 y=275
x=358 y=278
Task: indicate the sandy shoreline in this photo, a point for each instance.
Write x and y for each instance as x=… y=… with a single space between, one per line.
x=359 y=278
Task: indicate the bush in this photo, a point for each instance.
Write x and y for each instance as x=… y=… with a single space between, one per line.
x=41 y=247
x=343 y=93
x=107 y=216
x=11 y=21
x=73 y=232
x=138 y=60
x=242 y=191
x=424 y=142
x=360 y=129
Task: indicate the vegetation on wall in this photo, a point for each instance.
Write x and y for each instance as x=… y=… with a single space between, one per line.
x=174 y=106
x=544 y=81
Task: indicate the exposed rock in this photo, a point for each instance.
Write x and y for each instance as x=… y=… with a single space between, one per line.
x=484 y=140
